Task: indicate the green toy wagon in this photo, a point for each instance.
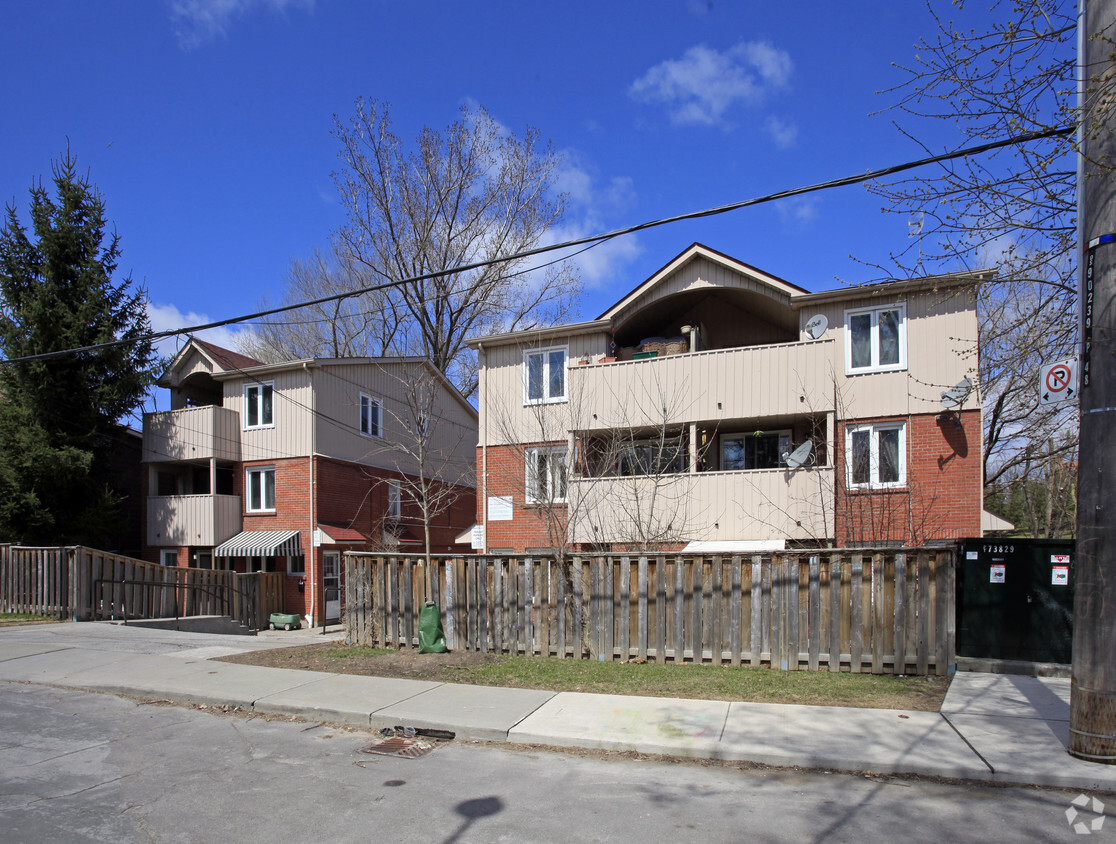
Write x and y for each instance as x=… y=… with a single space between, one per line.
x=284 y=621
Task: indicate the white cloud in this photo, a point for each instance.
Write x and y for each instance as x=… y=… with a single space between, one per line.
x=197 y=22
x=701 y=86
x=592 y=207
x=784 y=134
x=797 y=209
x=169 y=317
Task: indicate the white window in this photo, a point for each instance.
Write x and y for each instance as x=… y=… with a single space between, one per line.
x=395 y=500
x=877 y=455
x=260 y=485
x=761 y=450
x=296 y=564
x=546 y=475
x=371 y=413
x=544 y=375
x=168 y=557
x=876 y=339
x=259 y=405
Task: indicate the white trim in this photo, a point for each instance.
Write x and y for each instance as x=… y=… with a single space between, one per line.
x=546 y=398
x=874 y=429
x=395 y=500
x=531 y=475
x=260 y=387
x=874 y=339
x=260 y=470
x=172 y=553
x=730 y=546
x=378 y=403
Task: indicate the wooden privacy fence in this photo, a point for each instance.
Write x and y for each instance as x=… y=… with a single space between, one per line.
x=864 y=610
x=85 y=584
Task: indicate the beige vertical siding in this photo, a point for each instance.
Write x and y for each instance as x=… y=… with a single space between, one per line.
x=452 y=439
x=701 y=273
x=761 y=504
x=192 y=519
x=195 y=433
x=941 y=351
x=504 y=416
x=757 y=381
x=290 y=436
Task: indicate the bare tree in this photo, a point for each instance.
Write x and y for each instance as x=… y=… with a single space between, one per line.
x=472 y=193
x=364 y=325
x=432 y=453
x=1014 y=209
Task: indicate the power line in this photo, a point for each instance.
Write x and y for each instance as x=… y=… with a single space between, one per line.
x=588 y=241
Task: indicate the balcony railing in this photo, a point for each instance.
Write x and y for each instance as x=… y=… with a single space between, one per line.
x=755 y=504
x=193 y=433
x=756 y=381
x=202 y=520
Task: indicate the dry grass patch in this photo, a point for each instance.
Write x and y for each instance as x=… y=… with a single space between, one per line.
x=708 y=682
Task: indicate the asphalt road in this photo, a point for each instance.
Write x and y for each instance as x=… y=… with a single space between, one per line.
x=79 y=766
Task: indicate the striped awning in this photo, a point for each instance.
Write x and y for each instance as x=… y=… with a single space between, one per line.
x=261 y=543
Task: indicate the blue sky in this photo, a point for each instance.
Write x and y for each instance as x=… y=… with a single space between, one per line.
x=206 y=124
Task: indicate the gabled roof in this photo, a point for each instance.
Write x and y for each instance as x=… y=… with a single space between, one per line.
x=220 y=358
x=226 y=358
x=694 y=252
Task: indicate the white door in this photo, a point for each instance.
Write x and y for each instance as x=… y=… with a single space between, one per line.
x=331 y=582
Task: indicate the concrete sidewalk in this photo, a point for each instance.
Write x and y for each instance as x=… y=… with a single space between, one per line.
x=999 y=728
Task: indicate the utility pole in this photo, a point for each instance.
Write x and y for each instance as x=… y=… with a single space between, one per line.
x=1093 y=688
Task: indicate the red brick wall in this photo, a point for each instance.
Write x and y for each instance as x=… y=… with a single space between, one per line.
x=349 y=495
x=943 y=497
x=528 y=527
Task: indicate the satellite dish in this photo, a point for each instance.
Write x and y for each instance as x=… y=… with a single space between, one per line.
x=816 y=326
x=955 y=396
x=799 y=456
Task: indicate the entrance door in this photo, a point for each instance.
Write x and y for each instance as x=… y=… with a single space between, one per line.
x=331 y=582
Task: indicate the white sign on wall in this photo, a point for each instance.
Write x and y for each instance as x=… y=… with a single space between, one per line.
x=499 y=508
x=998 y=573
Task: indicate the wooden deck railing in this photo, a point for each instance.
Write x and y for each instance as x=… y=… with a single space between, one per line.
x=871 y=610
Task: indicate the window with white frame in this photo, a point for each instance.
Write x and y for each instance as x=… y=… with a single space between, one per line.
x=544 y=375
x=546 y=475
x=168 y=557
x=296 y=564
x=877 y=455
x=259 y=405
x=395 y=500
x=876 y=339
x=371 y=416
x=259 y=483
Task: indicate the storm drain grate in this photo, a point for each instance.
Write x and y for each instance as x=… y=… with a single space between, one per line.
x=403 y=748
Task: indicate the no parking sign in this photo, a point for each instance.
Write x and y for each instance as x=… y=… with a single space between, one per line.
x=1057 y=382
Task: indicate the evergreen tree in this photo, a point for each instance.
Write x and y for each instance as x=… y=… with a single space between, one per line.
x=59 y=417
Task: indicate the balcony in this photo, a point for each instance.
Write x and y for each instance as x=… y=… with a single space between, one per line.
x=756 y=504
x=202 y=520
x=783 y=379
x=193 y=433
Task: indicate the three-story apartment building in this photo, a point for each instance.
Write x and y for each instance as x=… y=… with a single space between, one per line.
x=282 y=467
x=719 y=408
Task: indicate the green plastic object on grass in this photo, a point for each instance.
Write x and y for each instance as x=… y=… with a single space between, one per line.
x=432 y=640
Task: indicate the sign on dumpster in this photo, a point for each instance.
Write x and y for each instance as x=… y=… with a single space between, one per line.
x=997 y=573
